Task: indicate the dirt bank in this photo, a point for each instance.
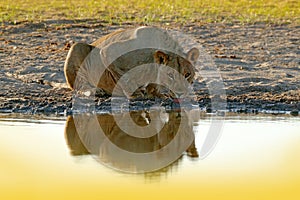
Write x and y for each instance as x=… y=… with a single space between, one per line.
x=259 y=64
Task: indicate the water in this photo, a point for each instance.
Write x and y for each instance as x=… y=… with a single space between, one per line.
x=256 y=157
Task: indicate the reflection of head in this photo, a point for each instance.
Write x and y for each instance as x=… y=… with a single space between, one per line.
x=121 y=139
x=86 y=139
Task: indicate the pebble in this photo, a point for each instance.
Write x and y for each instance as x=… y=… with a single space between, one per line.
x=294 y=112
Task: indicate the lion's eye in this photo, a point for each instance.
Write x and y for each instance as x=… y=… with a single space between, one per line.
x=187 y=75
x=171 y=76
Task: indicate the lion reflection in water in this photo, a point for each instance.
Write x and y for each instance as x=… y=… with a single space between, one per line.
x=177 y=128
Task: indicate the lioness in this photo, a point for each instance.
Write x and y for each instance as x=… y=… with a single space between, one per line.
x=102 y=63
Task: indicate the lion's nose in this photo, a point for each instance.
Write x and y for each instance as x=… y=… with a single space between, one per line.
x=179 y=94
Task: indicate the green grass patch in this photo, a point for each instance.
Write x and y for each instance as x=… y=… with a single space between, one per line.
x=120 y=11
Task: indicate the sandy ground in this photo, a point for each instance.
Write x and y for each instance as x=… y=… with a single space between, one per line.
x=259 y=64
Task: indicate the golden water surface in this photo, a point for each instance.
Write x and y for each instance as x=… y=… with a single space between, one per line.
x=254 y=159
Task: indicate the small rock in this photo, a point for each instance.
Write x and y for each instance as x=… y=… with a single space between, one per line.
x=256 y=44
x=294 y=112
x=208 y=110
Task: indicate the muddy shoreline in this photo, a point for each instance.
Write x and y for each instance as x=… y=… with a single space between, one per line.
x=259 y=64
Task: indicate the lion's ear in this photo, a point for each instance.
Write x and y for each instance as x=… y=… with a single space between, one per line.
x=193 y=54
x=160 y=57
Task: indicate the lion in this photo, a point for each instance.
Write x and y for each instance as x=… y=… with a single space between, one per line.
x=103 y=63
x=102 y=137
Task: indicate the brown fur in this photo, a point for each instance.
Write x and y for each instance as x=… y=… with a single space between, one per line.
x=79 y=52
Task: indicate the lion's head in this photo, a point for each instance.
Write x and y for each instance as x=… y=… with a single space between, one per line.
x=178 y=72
